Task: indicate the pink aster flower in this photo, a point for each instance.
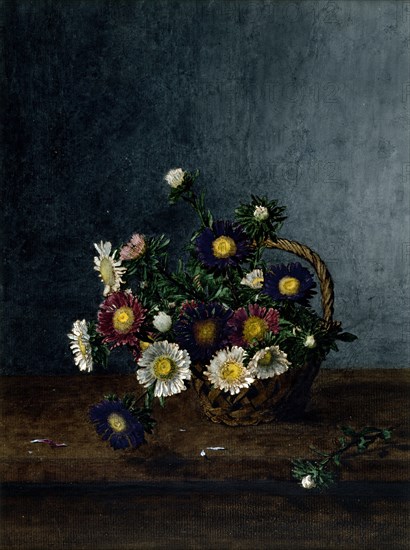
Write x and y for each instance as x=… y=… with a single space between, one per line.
x=134 y=248
x=252 y=323
x=119 y=319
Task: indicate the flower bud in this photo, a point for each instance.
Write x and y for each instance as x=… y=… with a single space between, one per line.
x=162 y=322
x=261 y=213
x=175 y=177
x=308 y=482
x=310 y=341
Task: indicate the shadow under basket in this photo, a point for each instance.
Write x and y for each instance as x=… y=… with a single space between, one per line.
x=282 y=397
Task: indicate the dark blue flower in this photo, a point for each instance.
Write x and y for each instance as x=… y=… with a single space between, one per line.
x=289 y=282
x=114 y=422
x=202 y=330
x=222 y=245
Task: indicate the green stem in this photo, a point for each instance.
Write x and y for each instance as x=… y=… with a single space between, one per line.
x=353 y=443
x=192 y=199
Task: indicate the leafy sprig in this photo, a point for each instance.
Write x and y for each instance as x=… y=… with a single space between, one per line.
x=322 y=473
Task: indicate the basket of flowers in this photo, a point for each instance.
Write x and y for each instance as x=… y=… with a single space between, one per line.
x=237 y=328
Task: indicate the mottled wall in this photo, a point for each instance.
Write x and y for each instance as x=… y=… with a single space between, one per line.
x=307 y=102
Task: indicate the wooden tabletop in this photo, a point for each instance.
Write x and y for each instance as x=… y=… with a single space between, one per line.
x=56 y=408
x=166 y=495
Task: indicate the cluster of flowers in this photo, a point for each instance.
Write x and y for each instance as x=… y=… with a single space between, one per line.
x=226 y=310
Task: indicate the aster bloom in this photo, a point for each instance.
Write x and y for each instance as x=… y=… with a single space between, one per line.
x=289 y=282
x=227 y=371
x=109 y=269
x=134 y=249
x=254 y=279
x=202 y=329
x=119 y=319
x=175 y=177
x=252 y=324
x=269 y=362
x=222 y=245
x=114 y=422
x=166 y=365
x=80 y=346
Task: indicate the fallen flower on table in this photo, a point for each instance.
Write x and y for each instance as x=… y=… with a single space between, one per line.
x=321 y=473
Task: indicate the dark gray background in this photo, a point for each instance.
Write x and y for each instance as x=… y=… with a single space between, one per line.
x=307 y=102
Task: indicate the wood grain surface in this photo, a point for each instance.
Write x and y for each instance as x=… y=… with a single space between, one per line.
x=166 y=495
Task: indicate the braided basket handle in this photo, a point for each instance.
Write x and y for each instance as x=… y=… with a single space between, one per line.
x=325 y=280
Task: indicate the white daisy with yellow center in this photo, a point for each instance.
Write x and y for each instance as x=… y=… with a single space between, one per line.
x=254 y=279
x=80 y=346
x=109 y=269
x=167 y=366
x=269 y=362
x=227 y=371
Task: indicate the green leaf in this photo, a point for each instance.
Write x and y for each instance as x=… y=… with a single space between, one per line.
x=336 y=460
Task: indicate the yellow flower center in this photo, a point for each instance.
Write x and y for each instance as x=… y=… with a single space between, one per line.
x=117 y=422
x=205 y=332
x=289 y=286
x=231 y=371
x=254 y=328
x=81 y=345
x=144 y=345
x=223 y=247
x=164 y=367
x=266 y=360
x=123 y=319
x=257 y=282
x=107 y=271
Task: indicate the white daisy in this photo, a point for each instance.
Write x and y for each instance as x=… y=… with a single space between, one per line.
x=166 y=365
x=109 y=269
x=269 y=362
x=175 y=177
x=254 y=279
x=80 y=346
x=227 y=371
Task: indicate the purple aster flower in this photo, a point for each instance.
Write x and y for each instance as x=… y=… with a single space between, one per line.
x=223 y=245
x=202 y=330
x=289 y=282
x=114 y=422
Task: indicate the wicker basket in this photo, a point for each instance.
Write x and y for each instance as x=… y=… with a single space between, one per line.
x=283 y=397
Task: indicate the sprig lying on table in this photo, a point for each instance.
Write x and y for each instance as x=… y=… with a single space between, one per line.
x=321 y=473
